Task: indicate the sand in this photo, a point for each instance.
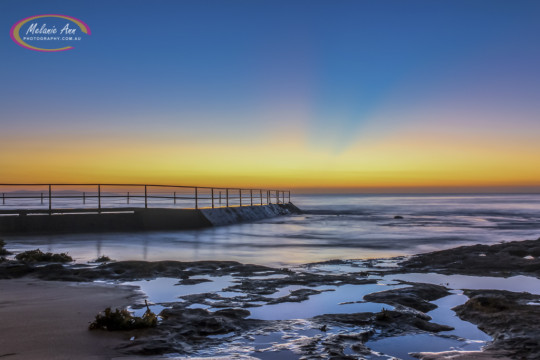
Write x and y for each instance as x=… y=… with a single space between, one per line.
x=49 y=319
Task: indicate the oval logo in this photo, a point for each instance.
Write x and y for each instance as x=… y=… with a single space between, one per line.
x=49 y=32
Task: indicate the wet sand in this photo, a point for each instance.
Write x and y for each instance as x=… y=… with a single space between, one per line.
x=49 y=319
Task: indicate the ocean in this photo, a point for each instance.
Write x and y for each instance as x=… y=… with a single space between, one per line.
x=353 y=226
x=330 y=227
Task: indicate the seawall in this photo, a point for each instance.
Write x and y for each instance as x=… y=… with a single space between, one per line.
x=137 y=219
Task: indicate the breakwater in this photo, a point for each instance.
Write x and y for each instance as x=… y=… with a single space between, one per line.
x=139 y=219
x=60 y=208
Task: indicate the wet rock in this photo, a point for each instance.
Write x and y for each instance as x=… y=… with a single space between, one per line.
x=233 y=313
x=506 y=316
x=519 y=251
x=138 y=270
x=200 y=322
x=489 y=303
x=464 y=355
x=153 y=347
x=535 y=251
x=506 y=259
x=297 y=296
x=334 y=344
x=361 y=349
x=270 y=286
x=183 y=330
x=390 y=321
x=417 y=313
x=14 y=269
x=430 y=326
x=189 y=281
x=186 y=330
x=398 y=217
x=334 y=347
x=417 y=296
x=356 y=319
x=514 y=325
x=216 y=301
x=365 y=263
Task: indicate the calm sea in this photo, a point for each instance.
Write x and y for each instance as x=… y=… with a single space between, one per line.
x=331 y=227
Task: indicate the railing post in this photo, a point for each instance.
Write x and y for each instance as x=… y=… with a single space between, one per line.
x=145 y=197
x=3 y=198
x=174 y=197
x=41 y=198
x=99 y=197
x=128 y=197
x=50 y=200
x=260 y=194
x=196 y=199
x=283 y=195
x=267 y=197
x=251 y=196
x=227 y=197
x=289 y=196
x=212 y=193
x=240 y=193
x=277 y=196
x=220 y=198
x=84 y=198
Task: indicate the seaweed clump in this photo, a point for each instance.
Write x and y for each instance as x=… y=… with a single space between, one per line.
x=102 y=259
x=384 y=315
x=121 y=320
x=39 y=256
x=2 y=250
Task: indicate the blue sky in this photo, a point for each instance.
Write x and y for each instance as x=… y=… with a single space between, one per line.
x=339 y=72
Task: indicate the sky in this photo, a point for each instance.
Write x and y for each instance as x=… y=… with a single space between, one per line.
x=337 y=96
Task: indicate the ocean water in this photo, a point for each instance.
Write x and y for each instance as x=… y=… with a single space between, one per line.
x=331 y=227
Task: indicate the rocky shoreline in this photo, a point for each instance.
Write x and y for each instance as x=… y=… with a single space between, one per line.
x=512 y=319
x=505 y=259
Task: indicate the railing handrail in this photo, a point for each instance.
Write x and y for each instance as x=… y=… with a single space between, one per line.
x=152 y=185
x=271 y=194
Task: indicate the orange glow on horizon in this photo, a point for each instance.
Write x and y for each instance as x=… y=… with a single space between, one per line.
x=405 y=161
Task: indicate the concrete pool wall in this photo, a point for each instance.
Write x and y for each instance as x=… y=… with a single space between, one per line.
x=138 y=219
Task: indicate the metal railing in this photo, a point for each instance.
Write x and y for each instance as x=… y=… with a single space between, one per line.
x=57 y=198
